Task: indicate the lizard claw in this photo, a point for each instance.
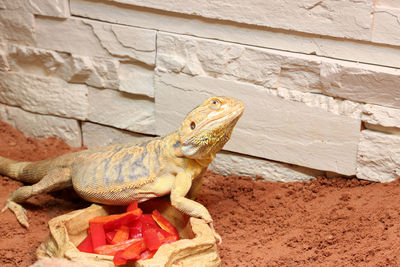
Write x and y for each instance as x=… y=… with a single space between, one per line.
x=18 y=210
x=216 y=235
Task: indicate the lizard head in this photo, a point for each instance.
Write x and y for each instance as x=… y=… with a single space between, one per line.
x=208 y=127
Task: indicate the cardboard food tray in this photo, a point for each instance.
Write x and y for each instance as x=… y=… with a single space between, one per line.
x=197 y=246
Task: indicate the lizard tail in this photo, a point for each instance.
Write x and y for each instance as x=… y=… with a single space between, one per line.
x=12 y=168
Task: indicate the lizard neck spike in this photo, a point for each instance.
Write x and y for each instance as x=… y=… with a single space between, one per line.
x=207 y=128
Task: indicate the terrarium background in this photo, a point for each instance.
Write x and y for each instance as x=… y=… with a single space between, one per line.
x=320 y=79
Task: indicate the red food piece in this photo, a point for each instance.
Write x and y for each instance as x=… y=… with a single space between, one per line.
x=135 y=229
x=147 y=254
x=112 y=222
x=165 y=224
x=113 y=249
x=110 y=236
x=147 y=220
x=97 y=233
x=133 y=251
x=151 y=239
x=122 y=234
x=118 y=259
x=132 y=206
x=86 y=245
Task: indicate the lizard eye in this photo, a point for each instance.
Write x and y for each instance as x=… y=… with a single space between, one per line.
x=215 y=104
x=192 y=125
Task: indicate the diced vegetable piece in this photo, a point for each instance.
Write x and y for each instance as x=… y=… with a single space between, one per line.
x=132 y=206
x=147 y=219
x=110 y=236
x=166 y=237
x=118 y=259
x=122 y=234
x=98 y=235
x=151 y=239
x=112 y=249
x=86 y=245
x=112 y=222
x=135 y=230
x=133 y=251
x=165 y=224
x=147 y=254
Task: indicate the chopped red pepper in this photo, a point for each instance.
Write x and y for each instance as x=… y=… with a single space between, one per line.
x=110 y=236
x=112 y=222
x=118 y=259
x=147 y=254
x=164 y=223
x=98 y=235
x=133 y=251
x=122 y=234
x=86 y=245
x=151 y=239
x=132 y=206
x=112 y=249
x=135 y=229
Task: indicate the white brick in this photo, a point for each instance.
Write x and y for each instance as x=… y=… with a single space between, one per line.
x=232 y=32
x=386 y=28
x=91 y=38
x=94 y=71
x=329 y=17
x=121 y=110
x=95 y=135
x=42 y=126
x=388 y=3
x=51 y=8
x=230 y=163
x=280 y=130
x=360 y=82
x=135 y=79
x=17 y=26
x=382 y=116
x=266 y=67
x=44 y=95
x=378 y=156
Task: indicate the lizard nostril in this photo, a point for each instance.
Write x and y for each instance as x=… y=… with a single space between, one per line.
x=192 y=125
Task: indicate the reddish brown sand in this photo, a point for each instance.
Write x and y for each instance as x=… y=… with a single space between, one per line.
x=326 y=222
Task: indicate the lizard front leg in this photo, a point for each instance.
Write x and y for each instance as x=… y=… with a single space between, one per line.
x=54 y=180
x=180 y=188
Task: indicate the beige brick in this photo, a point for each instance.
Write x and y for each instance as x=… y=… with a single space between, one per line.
x=386 y=28
x=44 y=95
x=95 y=135
x=280 y=130
x=378 y=156
x=121 y=110
x=42 y=126
x=89 y=38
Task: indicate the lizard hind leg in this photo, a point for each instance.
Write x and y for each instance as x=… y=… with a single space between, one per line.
x=55 y=179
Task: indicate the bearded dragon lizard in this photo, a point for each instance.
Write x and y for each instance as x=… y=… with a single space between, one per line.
x=119 y=174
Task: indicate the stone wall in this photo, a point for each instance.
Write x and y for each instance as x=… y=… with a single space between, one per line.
x=320 y=79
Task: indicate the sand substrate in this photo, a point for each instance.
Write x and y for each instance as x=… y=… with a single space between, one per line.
x=325 y=222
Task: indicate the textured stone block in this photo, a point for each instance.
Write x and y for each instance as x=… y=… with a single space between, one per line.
x=386 y=27
x=329 y=17
x=42 y=126
x=17 y=26
x=44 y=95
x=266 y=67
x=378 y=156
x=94 y=71
x=360 y=82
x=89 y=38
x=95 y=135
x=382 y=116
x=50 y=8
x=271 y=127
x=227 y=163
x=242 y=33
x=121 y=110
x=135 y=79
